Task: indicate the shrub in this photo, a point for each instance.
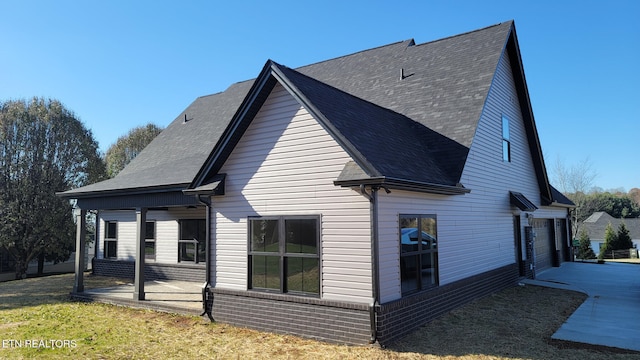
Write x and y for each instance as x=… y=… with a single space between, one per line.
x=584 y=247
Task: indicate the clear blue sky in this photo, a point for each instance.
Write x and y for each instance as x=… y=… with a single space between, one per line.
x=120 y=64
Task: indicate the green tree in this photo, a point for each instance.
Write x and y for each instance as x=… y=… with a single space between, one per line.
x=127 y=147
x=584 y=247
x=44 y=148
x=623 y=239
x=609 y=240
x=616 y=205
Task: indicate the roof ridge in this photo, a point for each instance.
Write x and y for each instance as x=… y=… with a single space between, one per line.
x=409 y=42
x=225 y=90
x=465 y=33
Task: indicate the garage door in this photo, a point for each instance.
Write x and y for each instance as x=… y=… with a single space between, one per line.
x=543 y=244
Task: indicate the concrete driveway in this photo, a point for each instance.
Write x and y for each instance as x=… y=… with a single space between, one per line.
x=611 y=314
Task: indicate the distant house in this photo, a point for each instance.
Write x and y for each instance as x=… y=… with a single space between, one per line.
x=351 y=200
x=596 y=224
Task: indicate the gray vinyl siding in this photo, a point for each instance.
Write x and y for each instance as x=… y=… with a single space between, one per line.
x=285 y=164
x=125 y=232
x=167 y=231
x=475 y=230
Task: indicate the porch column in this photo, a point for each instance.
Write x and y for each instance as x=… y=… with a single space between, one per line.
x=81 y=231
x=141 y=224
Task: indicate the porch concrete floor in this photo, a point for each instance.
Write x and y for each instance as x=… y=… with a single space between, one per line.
x=175 y=296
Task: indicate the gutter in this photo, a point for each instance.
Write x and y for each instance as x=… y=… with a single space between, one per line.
x=401 y=184
x=75 y=194
x=207 y=295
x=375 y=276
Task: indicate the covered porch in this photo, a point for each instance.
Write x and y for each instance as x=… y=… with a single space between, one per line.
x=144 y=292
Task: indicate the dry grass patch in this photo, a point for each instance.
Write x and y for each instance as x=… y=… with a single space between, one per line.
x=47 y=289
x=514 y=324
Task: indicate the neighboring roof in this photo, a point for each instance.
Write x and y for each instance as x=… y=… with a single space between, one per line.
x=393 y=90
x=599 y=216
x=596 y=224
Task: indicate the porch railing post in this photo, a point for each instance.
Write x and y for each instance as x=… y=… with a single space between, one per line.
x=141 y=222
x=81 y=231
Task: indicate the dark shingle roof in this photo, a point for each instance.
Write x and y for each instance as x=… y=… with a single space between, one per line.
x=389 y=143
x=446 y=81
x=175 y=155
x=441 y=84
x=560 y=198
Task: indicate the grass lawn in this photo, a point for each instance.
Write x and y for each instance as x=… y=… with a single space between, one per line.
x=514 y=324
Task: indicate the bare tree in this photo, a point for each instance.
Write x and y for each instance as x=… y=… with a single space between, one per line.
x=635 y=195
x=577 y=178
x=575 y=182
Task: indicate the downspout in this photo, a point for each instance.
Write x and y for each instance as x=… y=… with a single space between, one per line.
x=569 y=231
x=207 y=295
x=375 y=281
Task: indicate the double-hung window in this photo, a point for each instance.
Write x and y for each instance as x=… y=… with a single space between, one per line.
x=418 y=252
x=192 y=244
x=110 y=239
x=283 y=254
x=150 y=241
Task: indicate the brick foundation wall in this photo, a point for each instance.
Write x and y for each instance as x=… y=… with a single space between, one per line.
x=400 y=317
x=152 y=271
x=349 y=323
x=528 y=271
x=331 y=321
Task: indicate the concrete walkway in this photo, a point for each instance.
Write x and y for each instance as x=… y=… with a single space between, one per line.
x=611 y=314
x=181 y=297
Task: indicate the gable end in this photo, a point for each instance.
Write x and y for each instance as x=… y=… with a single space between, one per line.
x=515 y=58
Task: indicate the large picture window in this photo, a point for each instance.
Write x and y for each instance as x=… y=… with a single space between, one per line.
x=283 y=254
x=110 y=239
x=418 y=252
x=192 y=244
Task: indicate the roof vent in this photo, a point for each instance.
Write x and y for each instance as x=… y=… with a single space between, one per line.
x=403 y=75
x=186 y=120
